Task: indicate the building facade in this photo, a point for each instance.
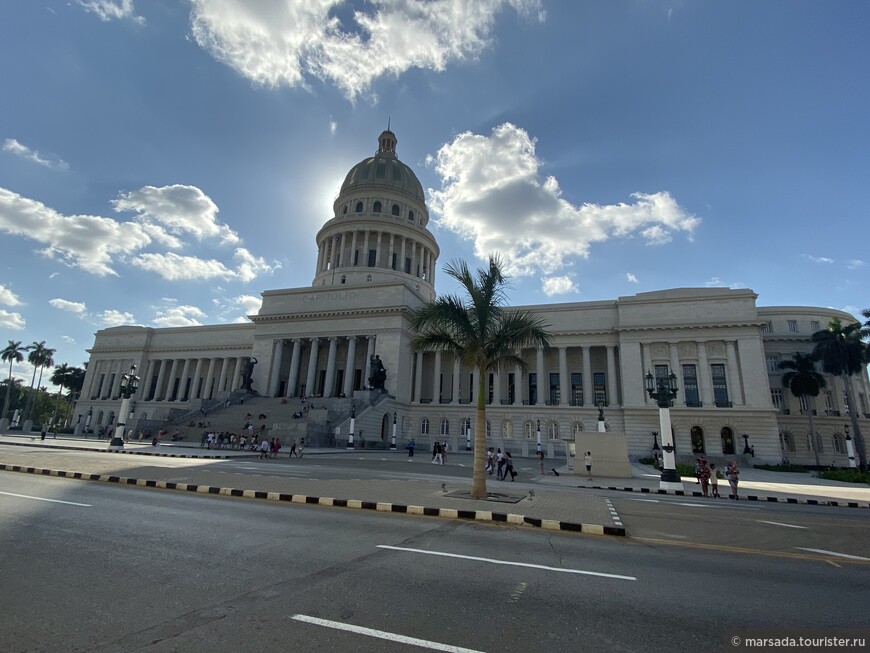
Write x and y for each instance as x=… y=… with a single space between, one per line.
x=375 y=264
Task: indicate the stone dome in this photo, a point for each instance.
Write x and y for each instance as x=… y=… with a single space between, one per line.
x=383 y=170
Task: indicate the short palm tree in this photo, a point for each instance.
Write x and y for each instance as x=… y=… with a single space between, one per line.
x=804 y=381
x=484 y=335
x=12 y=353
x=40 y=357
x=60 y=377
x=843 y=353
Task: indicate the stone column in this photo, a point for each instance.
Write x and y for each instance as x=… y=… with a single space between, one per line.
x=170 y=394
x=418 y=378
x=116 y=384
x=275 y=376
x=588 y=398
x=390 y=251
x=161 y=379
x=293 y=377
x=194 y=382
x=352 y=248
x=366 y=249
x=370 y=351
x=456 y=372
x=496 y=386
x=236 y=377
x=378 y=250
x=436 y=379
x=90 y=377
x=404 y=255
x=735 y=392
x=349 y=366
x=518 y=383
x=647 y=369
x=612 y=388
x=675 y=367
x=539 y=369
x=330 y=367
x=413 y=258
x=182 y=383
x=311 y=377
x=222 y=377
x=564 y=381
x=209 y=378
x=705 y=381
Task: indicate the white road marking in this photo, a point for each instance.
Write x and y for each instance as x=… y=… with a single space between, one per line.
x=25 y=496
x=777 y=523
x=382 y=634
x=506 y=562
x=832 y=553
x=647 y=500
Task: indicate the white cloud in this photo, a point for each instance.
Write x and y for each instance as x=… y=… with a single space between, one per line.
x=558 y=285
x=68 y=339
x=7 y=297
x=716 y=282
x=11 y=320
x=248 y=303
x=112 y=318
x=173 y=267
x=492 y=193
x=854 y=264
x=819 y=259
x=180 y=209
x=178 y=316
x=78 y=308
x=284 y=42
x=107 y=10
x=250 y=266
x=631 y=278
x=333 y=127
x=13 y=146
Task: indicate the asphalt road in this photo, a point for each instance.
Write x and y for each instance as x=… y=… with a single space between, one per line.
x=98 y=567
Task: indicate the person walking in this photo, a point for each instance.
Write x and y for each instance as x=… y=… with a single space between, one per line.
x=541 y=460
x=438 y=456
x=587 y=460
x=411 y=444
x=499 y=465
x=490 y=461
x=704 y=478
x=508 y=466
x=293 y=451
x=264 y=449
x=714 y=480
x=732 y=473
x=276 y=447
x=301 y=446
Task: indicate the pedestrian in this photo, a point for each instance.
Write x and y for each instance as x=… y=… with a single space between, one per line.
x=541 y=459
x=508 y=466
x=301 y=446
x=732 y=474
x=704 y=478
x=587 y=460
x=499 y=464
x=141 y=435
x=293 y=448
x=697 y=471
x=264 y=449
x=276 y=447
x=714 y=480
x=438 y=459
x=443 y=452
x=42 y=435
x=411 y=444
x=490 y=461
x=435 y=446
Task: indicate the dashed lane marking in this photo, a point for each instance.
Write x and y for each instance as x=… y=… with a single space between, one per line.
x=25 y=496
x=833 y=553
x=777 y=523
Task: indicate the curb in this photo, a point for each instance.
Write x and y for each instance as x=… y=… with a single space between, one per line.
x=110 y=450
x=749 y=497
x=380 y=506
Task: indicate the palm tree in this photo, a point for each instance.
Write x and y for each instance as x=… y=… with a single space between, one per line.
x=843 y=354
x=40 y=357
x=12 y=353
x=804 y=381
x=75 y=383
x=60 y=377
x=484 y=336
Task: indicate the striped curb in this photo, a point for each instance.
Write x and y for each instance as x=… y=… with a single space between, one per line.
x=379 y=506
x=110 y=450
x=750 y=497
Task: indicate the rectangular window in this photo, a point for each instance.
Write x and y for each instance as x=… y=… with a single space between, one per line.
x=804 y=404
x=533 y=388
x=720 y=385
x=471 y=388
x=372 y=257
x=554 y=389
x=829 y=401
x=863 y=403
x=773 y=363
x=490 y=384
x=690 y=385
x=767 y=327
x=511 y=388
x=576 y=389
x=393 y=262
x=661 y=374
x=814 y=326
x=792 y=326
x=776 y=399
x=356 y=257
x=599 y=388
x=407 y=265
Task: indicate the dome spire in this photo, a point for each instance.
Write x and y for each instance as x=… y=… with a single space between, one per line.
x=387 y=141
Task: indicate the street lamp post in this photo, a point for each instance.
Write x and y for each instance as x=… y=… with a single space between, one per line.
x=538 y=435
x=393 y=440
x=129 y=385
x=468 y=435
x=850 y=449
x=663 y=391
x=352 y=423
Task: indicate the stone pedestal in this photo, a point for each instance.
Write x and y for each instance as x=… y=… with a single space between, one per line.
x=609 y=454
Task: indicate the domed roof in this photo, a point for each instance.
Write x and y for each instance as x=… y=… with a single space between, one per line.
x=383 y=170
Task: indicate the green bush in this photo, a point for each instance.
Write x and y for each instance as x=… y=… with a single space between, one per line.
x=649 y=460
x=782 y=468
x=845 y=475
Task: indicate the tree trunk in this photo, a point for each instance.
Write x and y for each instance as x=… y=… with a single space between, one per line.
x=478 y=474
x=853 y=417
x=813 y=441
x=8 y=393
x=29 y=398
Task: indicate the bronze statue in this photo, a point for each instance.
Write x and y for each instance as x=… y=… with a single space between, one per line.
x=377 y=373
x=247 y=375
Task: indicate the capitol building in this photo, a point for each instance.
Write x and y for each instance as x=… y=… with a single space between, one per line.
x=376 y=259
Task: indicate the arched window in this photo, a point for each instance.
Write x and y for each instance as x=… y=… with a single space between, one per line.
x=376 y=207
x=727 y=436
x=344 y=210
x=445 y=427
x=411 y=216
x=529 y=430
x=697 y=435
x=488 y=429
x=395 y=209
x=839 y=443
x=424 y=426
x=507 y=429
x=786 y=441
x=344 y=278
x=465 y=426
x=553 y=430
x=576 y=428
x=359 y=207
x=368 y=277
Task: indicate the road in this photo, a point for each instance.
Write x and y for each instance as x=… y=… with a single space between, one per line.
x=99 y=567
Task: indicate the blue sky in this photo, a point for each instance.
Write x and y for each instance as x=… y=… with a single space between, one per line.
x=163 y=162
